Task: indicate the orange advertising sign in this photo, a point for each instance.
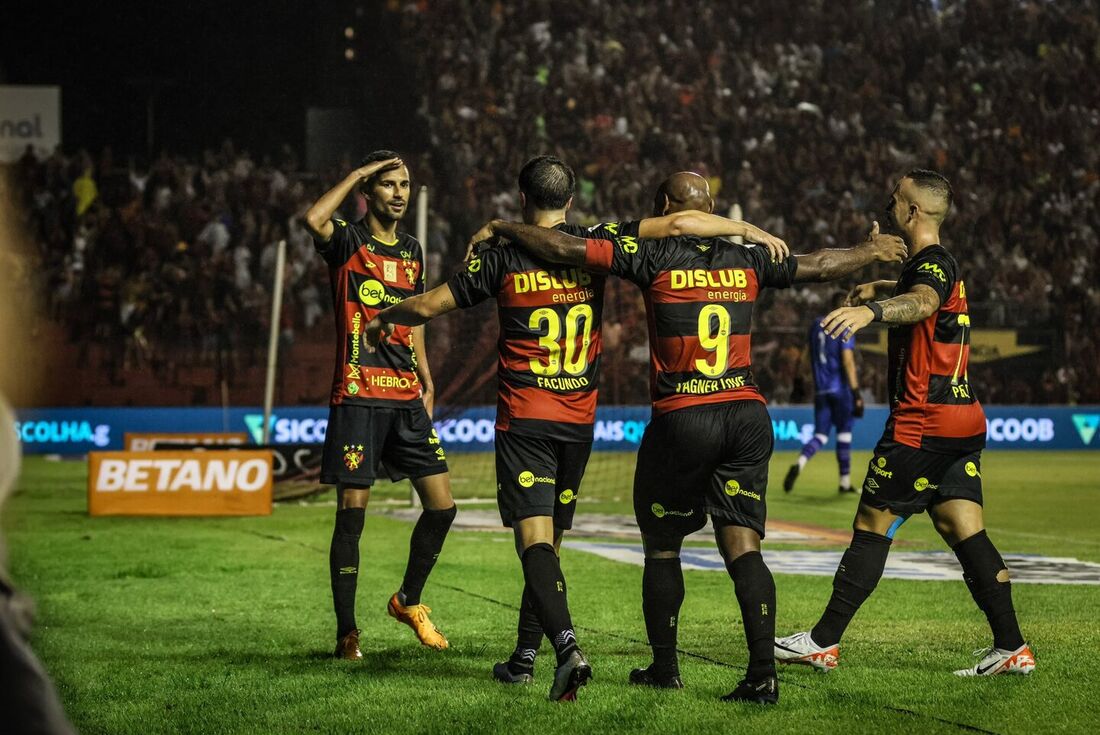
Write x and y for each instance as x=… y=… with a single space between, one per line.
x=139 y=442
x=180 y=483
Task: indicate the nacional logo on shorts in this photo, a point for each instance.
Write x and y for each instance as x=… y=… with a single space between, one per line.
x=733 y=488
x=972 y=469
x=923 y=484
x=567 y=497
x=660 y=511
x=353 y=456
x=527 y=479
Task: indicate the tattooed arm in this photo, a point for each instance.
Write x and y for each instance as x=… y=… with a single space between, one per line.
x=917 y=304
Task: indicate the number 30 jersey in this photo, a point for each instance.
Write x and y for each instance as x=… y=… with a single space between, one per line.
x=550 y=342
x=699 y=296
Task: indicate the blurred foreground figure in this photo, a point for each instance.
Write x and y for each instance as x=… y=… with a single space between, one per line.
x=28 y=701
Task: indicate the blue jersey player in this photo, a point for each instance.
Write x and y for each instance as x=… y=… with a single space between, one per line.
x=836 y=400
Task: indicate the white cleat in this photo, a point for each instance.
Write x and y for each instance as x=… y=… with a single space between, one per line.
x=999 y=661
x=801 y=649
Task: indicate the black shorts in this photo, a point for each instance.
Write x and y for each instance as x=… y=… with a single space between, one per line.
x=705 y=460
x=539 y=477
x=361 y=440
x=905 y=480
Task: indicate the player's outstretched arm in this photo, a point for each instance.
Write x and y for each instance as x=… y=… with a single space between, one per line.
x=704 y=224
x=318 y=218
x=542 y=242
x=917 y=304
x=411 y=312
x=831 y=264
x=872 y=291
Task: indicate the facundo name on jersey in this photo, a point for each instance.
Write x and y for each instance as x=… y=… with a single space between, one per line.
x=563 y=383
x=700 y=386
x=551 y=280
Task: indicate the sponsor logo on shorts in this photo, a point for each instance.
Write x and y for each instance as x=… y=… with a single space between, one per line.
x=877 y=467
x=567 y=496
x=660 y=511
x=353 y=456
x=528 y=478
x=923 y=484
x=440 y=454
x=972 y=469
x=434 y=438
x=733 y=488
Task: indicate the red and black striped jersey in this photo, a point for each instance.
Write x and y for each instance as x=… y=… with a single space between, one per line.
x=932 y=405
x=367 y=275
x=550 y=337
x=699 y=296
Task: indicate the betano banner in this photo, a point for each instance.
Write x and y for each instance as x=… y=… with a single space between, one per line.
x=74 y=431
x=168 y=483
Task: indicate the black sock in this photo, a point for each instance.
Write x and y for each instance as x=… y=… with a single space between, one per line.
x=662 y=596
x=755 y=590
x=424 y=546
x=982 y=564
x=528 y=636
x=542 y=572
x=343 y=566
x=859 y=572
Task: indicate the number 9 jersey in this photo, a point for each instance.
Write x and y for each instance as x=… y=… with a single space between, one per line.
x=550 y=341
x=699 y=296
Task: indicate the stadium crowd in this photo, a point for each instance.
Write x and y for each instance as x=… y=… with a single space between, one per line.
x=776 y=102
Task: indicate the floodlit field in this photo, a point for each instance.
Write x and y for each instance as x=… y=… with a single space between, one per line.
x=210 y=626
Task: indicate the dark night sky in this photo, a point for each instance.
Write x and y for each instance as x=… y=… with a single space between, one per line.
x=245 y=70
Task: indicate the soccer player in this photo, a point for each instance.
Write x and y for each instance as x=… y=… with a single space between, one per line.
x=836 y=400
x=706 y=450
x=550 y=344
x=929 y=456
x=381 y=402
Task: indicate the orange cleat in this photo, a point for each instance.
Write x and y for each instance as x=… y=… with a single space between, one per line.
x=416 y=617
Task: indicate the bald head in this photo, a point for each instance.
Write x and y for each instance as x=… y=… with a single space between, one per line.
x=682 y=191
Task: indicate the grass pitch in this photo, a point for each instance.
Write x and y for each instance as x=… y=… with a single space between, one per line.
x=225 y=625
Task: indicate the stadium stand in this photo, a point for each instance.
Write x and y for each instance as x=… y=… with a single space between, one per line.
x=157 y=277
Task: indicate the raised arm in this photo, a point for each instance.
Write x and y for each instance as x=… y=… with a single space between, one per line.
x=542 y=242
x=411 y=312
x=705 y=224
x=318 y=218
x=916 y=304
x=830 y=264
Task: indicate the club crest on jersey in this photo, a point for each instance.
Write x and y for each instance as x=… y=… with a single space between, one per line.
x=410 y=273
x=353 y=456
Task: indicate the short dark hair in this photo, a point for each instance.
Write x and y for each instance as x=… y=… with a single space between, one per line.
x=382 y=154
x=934 y=182
x=547 y=182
